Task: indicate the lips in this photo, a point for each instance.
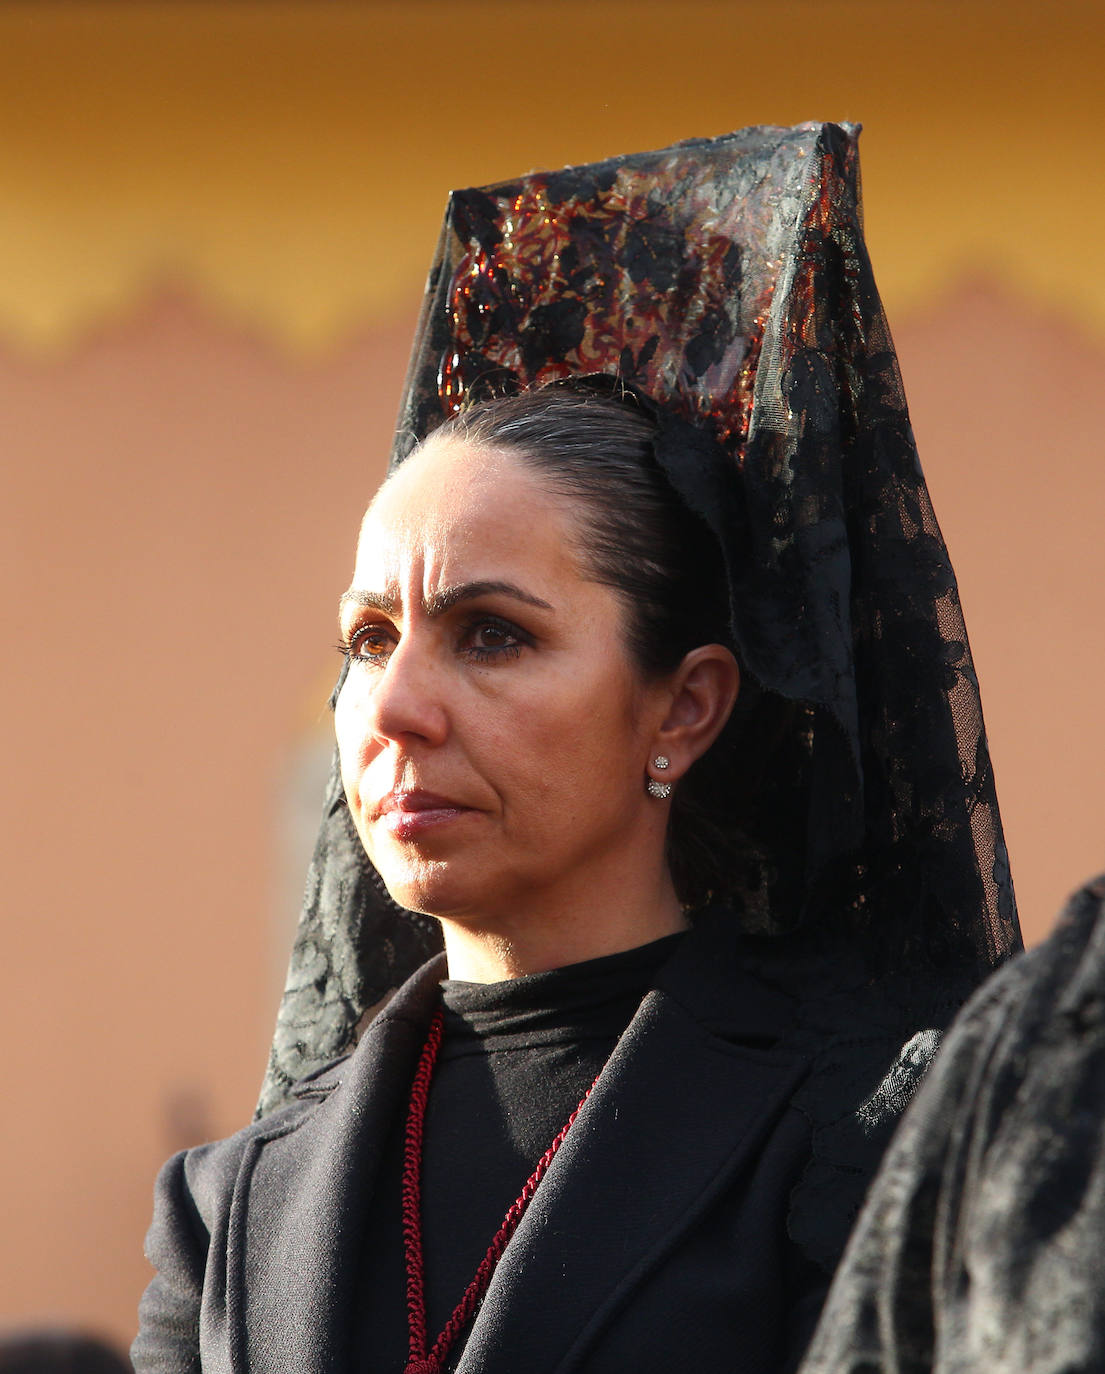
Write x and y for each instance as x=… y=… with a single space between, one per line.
x=407 y=815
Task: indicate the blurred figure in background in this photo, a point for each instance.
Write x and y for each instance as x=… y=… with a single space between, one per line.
x=46 y=1351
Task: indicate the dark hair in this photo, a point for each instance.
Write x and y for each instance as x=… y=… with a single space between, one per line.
x=593 y=441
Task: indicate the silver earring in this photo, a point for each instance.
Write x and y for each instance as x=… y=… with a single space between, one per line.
x=660 y=790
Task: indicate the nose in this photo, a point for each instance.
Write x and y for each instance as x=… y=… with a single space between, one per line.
x=403 y=700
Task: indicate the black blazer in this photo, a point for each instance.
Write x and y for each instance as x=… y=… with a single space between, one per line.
x=656 y=1241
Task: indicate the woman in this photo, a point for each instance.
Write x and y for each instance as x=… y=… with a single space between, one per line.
x=696 y=952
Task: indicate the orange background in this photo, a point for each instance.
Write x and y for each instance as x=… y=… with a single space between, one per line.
x=215 y=220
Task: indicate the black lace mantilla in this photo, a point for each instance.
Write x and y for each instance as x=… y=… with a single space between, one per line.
x=728 y=280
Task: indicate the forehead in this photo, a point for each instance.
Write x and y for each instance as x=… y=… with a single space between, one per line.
x=462 y=509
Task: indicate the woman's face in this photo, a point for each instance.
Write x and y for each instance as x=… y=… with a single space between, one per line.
x=493 y=733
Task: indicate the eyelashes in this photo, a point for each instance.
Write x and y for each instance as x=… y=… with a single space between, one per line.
x=365 y=638
x=506 y=640
x=481 y=639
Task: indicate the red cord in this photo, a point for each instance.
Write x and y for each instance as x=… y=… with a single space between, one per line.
x=418 y=1360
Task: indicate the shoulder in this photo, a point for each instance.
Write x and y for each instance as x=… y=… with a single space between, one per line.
x=871 y=1037
x=207 y=1173
x=985 y=1219
x=196 y=1182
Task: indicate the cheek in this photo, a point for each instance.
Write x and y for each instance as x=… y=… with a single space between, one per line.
x=564 y=743
x=354 y=739
x=345 y=726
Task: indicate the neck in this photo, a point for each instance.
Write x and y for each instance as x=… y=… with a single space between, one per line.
x=535 y=942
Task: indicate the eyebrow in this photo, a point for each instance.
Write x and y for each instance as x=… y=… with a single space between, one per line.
x=446 y=599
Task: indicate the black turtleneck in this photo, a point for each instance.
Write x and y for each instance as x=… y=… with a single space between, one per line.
x=516 y=1059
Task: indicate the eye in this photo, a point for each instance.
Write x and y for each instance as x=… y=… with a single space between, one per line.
x=370 y=644
x=489 y=637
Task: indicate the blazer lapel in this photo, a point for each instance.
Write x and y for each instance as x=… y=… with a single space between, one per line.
x=301 y=1195
x=685 y=1100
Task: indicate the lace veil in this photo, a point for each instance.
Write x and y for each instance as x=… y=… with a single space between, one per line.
x=728 y=280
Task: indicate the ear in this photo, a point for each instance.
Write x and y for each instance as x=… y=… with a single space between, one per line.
x=702 y=693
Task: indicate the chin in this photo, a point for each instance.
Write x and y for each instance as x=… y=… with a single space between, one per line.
x=433 y=889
